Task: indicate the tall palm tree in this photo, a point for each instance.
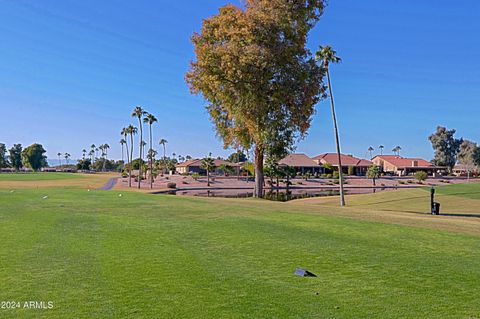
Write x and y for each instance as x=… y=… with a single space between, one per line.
x=381 y=147
x=131 y=130
x=67 y=156
x=325 y=56
x=164 y=142
x=91 y=155
x=59 y=158
x=92 y=147
x=84 y=151
x=398 y=150
x=139 y=112
x=150 y=119
x=371 y=149
x=124 y=133
x=122 y=143
x=105 y=154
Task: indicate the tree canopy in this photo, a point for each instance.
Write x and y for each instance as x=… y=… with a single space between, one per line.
x=259 y=79
x=33 y=156
x=446 y=147
x=15 y=156
x=469 y=154
x=3 y=156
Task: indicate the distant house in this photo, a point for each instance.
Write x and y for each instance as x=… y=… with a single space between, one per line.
x=359 y=166
x=465 y=170
x=301 y=163
x=195 y=166
x=403 y=166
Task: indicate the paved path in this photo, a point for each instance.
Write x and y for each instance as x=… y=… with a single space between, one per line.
x=110 y=184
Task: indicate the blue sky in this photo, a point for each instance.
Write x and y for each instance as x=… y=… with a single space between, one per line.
x=72 y=71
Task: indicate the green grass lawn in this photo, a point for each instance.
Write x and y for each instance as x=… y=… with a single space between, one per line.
x=50 y=176
x=470 y=190
x=98 y=255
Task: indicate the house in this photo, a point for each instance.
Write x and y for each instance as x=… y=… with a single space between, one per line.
x=465 y=170
x=358 y=166
x=403 y=166
x=195 y=166
x=301 y=163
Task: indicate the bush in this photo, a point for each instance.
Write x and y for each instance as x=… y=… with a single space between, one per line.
x=351 y=170
x=124 y=175
x=401 y=182
x=421 y=176
x=171 y=185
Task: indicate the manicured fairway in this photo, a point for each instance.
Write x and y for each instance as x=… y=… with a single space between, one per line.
x=98 y=255
x=36 y=180
x=37 y=176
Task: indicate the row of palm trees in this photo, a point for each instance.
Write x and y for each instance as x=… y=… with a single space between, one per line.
x=396 y=150
x=64 y=155
x=128 y=142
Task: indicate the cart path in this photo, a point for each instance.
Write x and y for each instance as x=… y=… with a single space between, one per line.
x=110 y=184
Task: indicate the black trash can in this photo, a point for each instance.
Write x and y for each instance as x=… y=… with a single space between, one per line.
x=436 y=208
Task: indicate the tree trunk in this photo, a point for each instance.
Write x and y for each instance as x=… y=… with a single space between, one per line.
x=208 y=178
x=337 y=141
x=131 y=160
x=140 y=154
x=151 y=159
x=258 y=192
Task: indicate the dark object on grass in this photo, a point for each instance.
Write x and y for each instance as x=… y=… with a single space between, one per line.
x=434 y=206
x=304 y=273
x=171 y=185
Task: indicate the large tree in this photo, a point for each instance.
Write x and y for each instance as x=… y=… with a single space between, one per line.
x=446 y=147
x=260 y=80
x=469 y=155
x=15 y=156
x=3 y=156
x=34 y=157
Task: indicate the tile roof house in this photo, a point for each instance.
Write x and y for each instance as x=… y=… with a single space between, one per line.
x=359 y=165
x=302 y=163
x=195 y=166
x=403 y=166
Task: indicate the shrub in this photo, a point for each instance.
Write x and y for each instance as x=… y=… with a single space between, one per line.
x=421 y=176
x=124 y=175
x=171 y=185
x=351 y=170
x=401 y=182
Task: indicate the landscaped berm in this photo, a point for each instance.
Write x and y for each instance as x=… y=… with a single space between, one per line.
x=96 y=254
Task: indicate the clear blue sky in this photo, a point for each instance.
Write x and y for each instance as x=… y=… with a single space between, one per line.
x=72 y=71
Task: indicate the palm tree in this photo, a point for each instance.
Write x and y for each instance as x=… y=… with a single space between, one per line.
x=325 y=56
x=164 y=142
x=124 y=133
x=138 y=112
x=371 y=149
x=150 y=119
x=398 y=150
x=381 y=147
x=91 y=154
x=84 y=151
x=132 y=130
x=67 y=156
x=105 y=153
x=122 y=143
x=208 y=164
x=92 y=147
x=59 y=158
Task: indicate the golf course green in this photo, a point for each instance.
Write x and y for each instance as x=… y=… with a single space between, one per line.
x=121 y=254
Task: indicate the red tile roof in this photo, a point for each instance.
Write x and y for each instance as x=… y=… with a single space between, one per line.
x=298 y=160
x=403 y=162
x=347 y=160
